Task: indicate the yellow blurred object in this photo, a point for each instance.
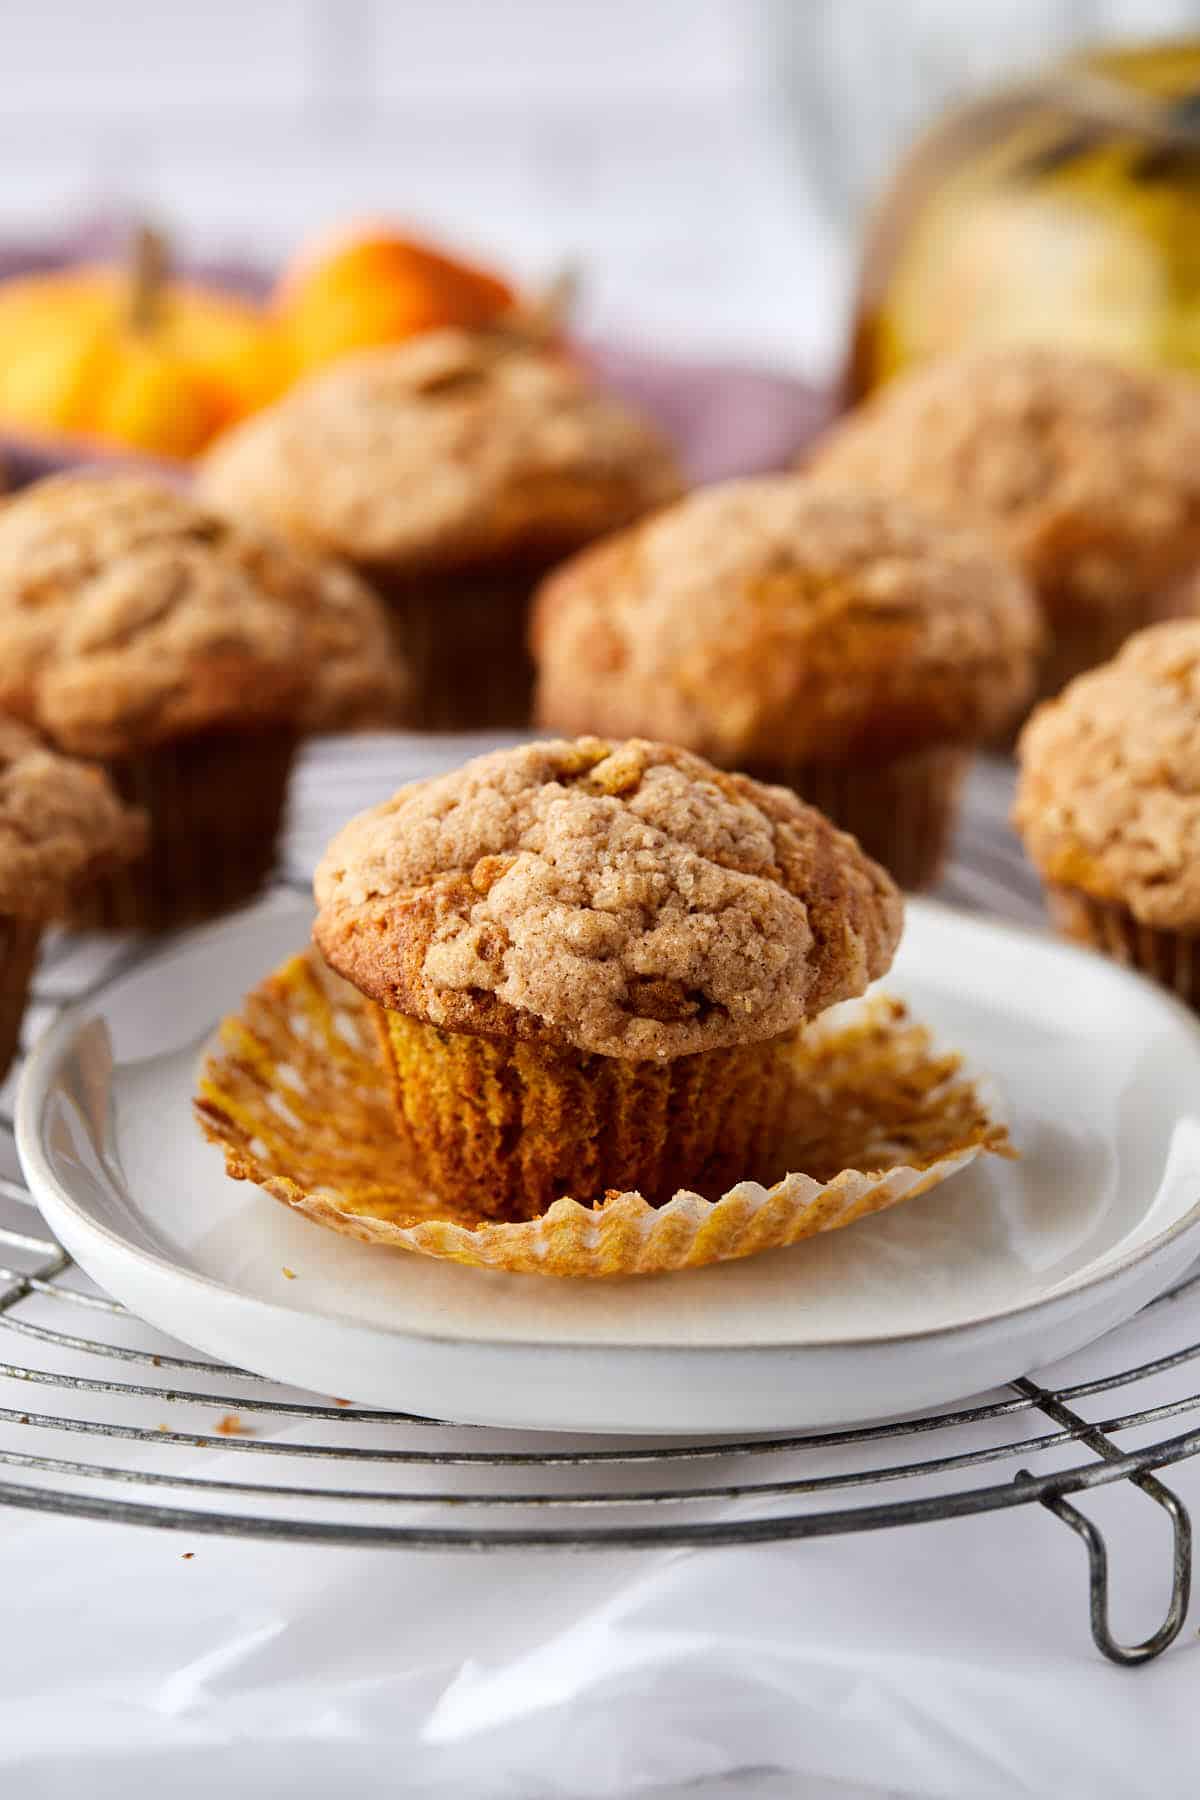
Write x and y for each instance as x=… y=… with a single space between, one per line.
x=1064 y=209
x=369 y=286
x=129 y=357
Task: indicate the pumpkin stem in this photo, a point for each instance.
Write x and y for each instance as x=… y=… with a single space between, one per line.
x=147 y=278
x=539 y=321
x=551 y=310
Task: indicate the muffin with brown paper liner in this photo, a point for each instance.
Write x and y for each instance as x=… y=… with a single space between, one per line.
x=1085 y=469
x=62 y=828
x=837 y=642
x=1108 y=805
x=298 y=1098
x=188 y=658
x=589 y=961
x=571 y=1030
x=451 y=472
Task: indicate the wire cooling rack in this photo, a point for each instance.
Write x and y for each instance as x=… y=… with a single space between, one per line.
x=101 y=1417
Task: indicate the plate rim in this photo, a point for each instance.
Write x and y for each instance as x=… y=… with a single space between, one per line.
x=38 y=1071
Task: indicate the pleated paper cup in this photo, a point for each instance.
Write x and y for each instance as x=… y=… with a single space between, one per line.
x=462 y=635
x=298 y=1098
x=215 y=806
x=19 y=940
x=902 y=809
x=1172 y=958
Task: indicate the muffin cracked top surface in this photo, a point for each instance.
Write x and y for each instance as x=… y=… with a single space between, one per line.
x=1108 y=798
x=128 y=615
x=1089 y=471
x=770 y=619
x=626 y=899
x=447 y=450
x=60 y=824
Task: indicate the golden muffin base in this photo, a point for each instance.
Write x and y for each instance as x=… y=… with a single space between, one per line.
x=19 y=941
x=1172 y=958
x=901 y=809
x=298 y=1098
x=463 y=635
x=511 y=1127
x=215 y=804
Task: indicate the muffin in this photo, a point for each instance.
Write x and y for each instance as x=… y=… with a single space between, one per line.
x=838 y=643
x=1088 y=472
x=188 y=657
x=1108 y=804
x=61 y=828
x=452 y=471
x=588 y=964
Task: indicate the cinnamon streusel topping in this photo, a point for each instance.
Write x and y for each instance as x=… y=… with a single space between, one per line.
x=772 y=620
x=1089 y=471
x=60 y=824
x=626 y=899
x=440 y=452
x=1109 y=794
x=128 y=615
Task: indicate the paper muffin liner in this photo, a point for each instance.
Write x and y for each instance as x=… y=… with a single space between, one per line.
x=1079 y=640
x=901 y=809
x=297 y=1096
x=512 y=1126
x=1171 y=958
x=463 y=635
x=215 y=805
x=19 y=940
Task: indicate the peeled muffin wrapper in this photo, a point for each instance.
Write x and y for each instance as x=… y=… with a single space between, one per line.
x=298 y=1098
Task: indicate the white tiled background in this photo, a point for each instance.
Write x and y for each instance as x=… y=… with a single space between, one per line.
x=704 y=159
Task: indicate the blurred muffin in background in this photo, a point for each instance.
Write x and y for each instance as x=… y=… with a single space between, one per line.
x=61 y=828
x=1088 y=472
x=843 y=645
x=452 y=471
x=189 y=657
x=1108 y=805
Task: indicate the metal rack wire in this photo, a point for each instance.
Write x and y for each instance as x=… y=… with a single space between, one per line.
x=79 y=1377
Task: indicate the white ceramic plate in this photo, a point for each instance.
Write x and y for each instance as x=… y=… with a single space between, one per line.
x=998 y=1272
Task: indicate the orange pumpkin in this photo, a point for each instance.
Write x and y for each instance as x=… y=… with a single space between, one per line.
x=128 y=357
x=373 y=287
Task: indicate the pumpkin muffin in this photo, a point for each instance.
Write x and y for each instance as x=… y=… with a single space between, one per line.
x=452 y=471
x=61 y=828
x=839 y=643
x=1086 y=471
x=1108 y=804
x=188 y=657
x=589 y=963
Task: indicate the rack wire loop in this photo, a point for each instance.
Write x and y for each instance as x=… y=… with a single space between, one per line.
x=1132 y=1655
x=1128 y=1655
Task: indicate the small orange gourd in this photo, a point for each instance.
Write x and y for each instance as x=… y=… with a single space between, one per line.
x=374 y=287
x=127 y=357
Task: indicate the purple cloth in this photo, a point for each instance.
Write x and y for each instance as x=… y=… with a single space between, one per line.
x=725 y=419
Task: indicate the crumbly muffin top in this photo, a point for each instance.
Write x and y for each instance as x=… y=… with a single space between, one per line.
x=60 y=824
x=626 y=899
x=1109 y=793
x=354 y=677
x=129 y=615
x=441 y=452
x=1090 y=471
x=771 y=620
